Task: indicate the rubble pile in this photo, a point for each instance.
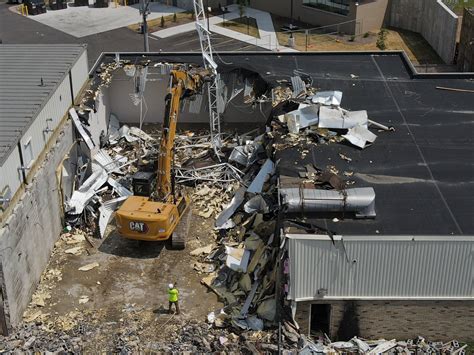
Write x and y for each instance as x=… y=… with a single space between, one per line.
x=356 y=345
x=317 y=116
x=241 y=267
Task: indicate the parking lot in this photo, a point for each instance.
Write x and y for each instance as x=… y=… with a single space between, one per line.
x=82 y=21
x=18 y=29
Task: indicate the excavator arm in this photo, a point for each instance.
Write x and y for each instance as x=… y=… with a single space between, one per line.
x=161 y=215
x=182 y=84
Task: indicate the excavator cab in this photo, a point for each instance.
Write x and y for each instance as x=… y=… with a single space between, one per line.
x=157 y=212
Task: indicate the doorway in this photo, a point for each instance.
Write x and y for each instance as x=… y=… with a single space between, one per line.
x=320 y=319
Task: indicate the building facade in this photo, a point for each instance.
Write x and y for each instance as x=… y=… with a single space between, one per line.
x=347 y=16
x=466 y=43
x=373 y=286
x=39 y=84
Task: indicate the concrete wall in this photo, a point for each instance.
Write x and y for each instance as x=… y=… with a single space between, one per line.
x=121 y=105
x=29 y=233
x=435 y=320
x=466 y=43
x=371 y=16
x=432 y=19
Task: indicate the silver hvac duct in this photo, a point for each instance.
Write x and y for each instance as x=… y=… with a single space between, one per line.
x=361 y=201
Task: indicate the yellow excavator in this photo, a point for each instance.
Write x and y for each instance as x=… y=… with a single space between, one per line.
x=156 y=211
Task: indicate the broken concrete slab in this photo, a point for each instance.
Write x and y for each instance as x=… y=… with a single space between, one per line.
x=202 y=250
x=89 y=267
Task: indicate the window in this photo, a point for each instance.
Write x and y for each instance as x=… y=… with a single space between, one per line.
x=320 y=317
x=340 y=7
x=27 y=152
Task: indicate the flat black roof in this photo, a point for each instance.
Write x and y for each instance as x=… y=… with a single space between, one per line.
x=424 y=171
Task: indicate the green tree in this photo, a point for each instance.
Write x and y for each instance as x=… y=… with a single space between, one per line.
x=175 y=19
x=162 y=22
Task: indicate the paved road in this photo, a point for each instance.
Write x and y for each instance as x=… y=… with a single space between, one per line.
x=17 y=29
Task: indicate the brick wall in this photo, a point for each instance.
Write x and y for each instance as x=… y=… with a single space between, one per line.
x=434 y=320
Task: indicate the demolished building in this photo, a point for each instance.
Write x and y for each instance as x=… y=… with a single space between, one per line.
x=336 y=177
x=342 y=174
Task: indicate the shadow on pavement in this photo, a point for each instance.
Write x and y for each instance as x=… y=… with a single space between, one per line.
x=116 y=245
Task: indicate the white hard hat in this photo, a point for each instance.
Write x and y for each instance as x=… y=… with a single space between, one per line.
x=170 y=286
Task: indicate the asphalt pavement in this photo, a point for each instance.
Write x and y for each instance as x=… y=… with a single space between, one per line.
x=15 y=28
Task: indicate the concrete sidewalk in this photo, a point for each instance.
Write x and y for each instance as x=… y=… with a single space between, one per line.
x=267 y=40
x=84 y=21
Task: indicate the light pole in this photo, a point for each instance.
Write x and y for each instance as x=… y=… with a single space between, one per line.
x=291 y=13
x=144 y=11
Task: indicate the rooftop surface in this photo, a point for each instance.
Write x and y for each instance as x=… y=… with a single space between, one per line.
x=21 y=94
x=422 y=174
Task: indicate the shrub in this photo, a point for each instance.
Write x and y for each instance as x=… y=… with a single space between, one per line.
x=382 y=36
x=162 y=22
x=367 y=34
x=352 y=39
x=175 y=18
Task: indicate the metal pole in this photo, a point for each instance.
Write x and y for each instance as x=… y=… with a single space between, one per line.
x=291 y=12
x=207 y=12
x=144 y=11
x=145 y=33
x=306 y=32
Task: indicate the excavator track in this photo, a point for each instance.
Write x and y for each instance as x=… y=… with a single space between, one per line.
x=178 y=239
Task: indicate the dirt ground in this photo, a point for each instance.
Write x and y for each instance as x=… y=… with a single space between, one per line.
x=127 y=292
x=155 y=24
x=240 y=25
x=418 y=50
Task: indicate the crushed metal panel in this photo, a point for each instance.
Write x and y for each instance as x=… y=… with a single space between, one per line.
x=80 y=129
x=224 y=216
x=304 y=116
x=341 y=119
x=124 y=132
x=137 y=132
x=257 y=184
x=106 y=211
x=332 y=98
x=81 y=197
x=256 y=204
x=119 y=188
x=359 y=136
x=105 y=161
x=359 y=200
x=298 y=85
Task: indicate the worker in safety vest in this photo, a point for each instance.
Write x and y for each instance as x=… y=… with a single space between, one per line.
x=173 y=298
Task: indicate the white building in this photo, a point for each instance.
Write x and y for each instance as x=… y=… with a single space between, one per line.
x=38 y=84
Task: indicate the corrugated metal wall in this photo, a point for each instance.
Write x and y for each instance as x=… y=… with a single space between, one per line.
x=79 y=73
x=55 y=109
x=394 y=267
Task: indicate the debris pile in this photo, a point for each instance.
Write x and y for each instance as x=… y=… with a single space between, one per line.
x=318 y=115
x=356 y=345
x=241 y=268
